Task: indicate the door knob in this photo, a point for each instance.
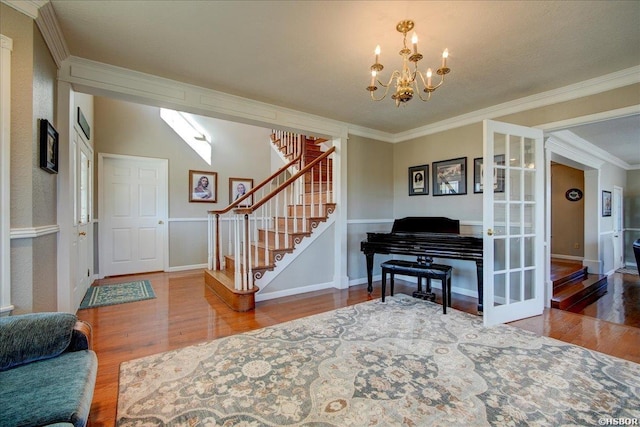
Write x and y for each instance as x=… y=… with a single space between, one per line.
x=161 y=222
x=82 y=233
x=490 y=232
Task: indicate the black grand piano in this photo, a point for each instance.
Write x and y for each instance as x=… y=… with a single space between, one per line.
x=431 y=237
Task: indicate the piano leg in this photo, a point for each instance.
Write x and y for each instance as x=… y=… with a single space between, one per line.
x=480 y=272
x=369 y=272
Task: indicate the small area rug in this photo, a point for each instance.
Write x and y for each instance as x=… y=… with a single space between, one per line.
x=627 y=270
x=399 y=363
x=120 y=293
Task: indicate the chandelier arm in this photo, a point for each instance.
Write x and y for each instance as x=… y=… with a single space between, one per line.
x=420 y=92
x=395 y=74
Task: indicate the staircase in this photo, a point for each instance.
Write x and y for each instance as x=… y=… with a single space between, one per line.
x=247 y=242
x=574 y=288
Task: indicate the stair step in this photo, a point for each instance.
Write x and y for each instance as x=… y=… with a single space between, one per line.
x=286 y=236
x=221 y=283
x=580 y=272
x=311 y=211
x=259 y=266
x=579 y=292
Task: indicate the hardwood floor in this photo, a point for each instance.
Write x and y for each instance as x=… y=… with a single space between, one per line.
x=185 y=312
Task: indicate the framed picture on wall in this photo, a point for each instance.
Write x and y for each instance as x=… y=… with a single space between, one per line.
x=238 y=188
x=450 y=177
x=418 y=180
x=498 y=174
x=48 y=147
x=606 y=203
x=203 y=186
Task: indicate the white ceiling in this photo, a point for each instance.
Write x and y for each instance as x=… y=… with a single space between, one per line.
x=314 y=56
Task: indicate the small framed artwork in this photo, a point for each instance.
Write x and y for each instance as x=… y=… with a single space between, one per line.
x=419 y=180
x=450 y=177
x=498 y=174
x=203 y=186
x=606 y=203
x=239 y=187
x=48 y=147
x=84 y=125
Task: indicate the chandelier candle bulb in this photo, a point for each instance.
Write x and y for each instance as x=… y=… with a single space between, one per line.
x=377 y=51
x=429 y=73
x=373 y=77
x=414 y=40
x=445 y=55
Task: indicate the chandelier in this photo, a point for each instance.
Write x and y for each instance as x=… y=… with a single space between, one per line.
x=406 y=80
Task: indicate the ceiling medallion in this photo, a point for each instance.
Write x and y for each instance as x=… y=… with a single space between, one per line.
x=406 y=80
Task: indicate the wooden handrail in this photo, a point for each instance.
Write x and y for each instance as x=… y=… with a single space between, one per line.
x=262 y=184
x=281 y=187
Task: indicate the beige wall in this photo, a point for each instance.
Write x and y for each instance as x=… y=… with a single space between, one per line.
x=33 y=191
x=137 y=130
x=567 y=217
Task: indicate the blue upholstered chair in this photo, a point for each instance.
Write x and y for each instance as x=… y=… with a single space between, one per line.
x=47 y=370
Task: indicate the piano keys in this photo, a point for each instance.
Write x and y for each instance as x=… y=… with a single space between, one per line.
x=431 y=237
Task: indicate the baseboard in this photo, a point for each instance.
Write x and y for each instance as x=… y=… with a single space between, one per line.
x=436 y=284
x=293 y=291
x=569 y=257
x=187 y=267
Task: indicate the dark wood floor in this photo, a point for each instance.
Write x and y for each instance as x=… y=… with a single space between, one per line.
x=185 y=312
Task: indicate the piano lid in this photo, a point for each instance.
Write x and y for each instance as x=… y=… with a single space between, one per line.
x=426 y=224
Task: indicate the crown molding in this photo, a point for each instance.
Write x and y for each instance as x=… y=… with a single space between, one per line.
x=104 y=79
x=571 y=146
x=49 y=26
x=28 y=7
x=594 y=86
x=97 y=78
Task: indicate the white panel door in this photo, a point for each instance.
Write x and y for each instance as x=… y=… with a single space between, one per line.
x=133 y=215
x=513 y=223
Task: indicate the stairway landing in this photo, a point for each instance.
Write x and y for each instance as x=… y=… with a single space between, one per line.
x=573 y=287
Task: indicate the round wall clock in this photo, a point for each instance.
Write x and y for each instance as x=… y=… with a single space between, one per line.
x=573 y=194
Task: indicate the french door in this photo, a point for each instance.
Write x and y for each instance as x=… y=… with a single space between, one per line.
x=513 y=222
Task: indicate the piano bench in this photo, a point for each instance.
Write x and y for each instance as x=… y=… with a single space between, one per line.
x=441 y=272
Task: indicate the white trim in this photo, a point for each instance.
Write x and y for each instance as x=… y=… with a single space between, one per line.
x=28 y=7
x=294 y=291
x=572 y=148
x=107 y=80
x=187 y=267
x=34 y=232
x=49 y=26
x=369 y=221
x=604 y=233
x=6 y=46
x=593 y=86
x=569 y=257
x=203 y=219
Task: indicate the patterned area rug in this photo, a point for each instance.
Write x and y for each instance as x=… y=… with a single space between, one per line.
x=402 y=362
x=101 y=295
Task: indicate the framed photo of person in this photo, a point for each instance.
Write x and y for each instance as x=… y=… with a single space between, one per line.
x=450 y=177
x=203 y=186
x=419 y=180
x=238 y=188
x=48 y=147
x=498 y=174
